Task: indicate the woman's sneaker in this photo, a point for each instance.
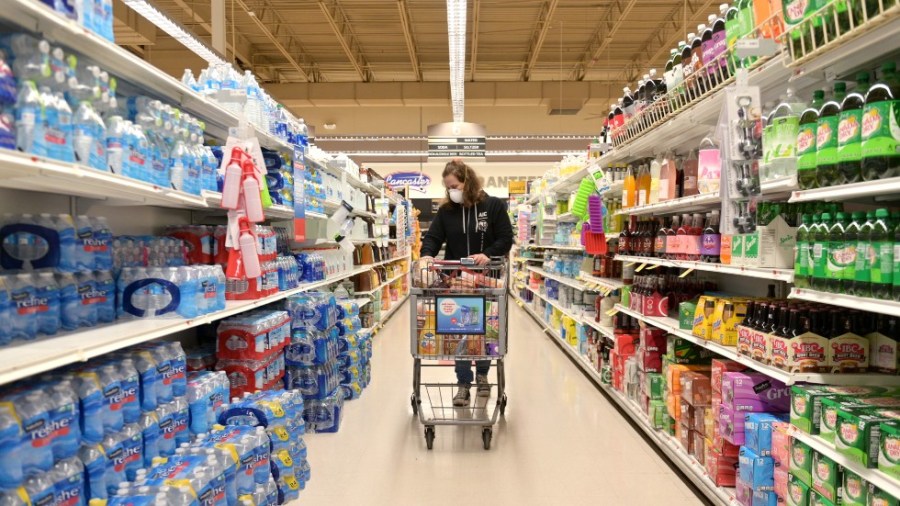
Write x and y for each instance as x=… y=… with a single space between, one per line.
x=484 y=388
x=462 y=396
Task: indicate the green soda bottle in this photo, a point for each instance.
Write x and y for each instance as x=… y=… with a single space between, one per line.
x=806 y=142
x=851 y=243
x=802 y=259
x=881 y=127
x=819 y=280
x=826 y=137
x=849 y=151
x=862 y=277
x=747 y=25
x=837 y=254
x=881 y=241
x=896 y=270
x=795 y=12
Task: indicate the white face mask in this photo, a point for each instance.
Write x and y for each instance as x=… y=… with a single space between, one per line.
x=456 y=195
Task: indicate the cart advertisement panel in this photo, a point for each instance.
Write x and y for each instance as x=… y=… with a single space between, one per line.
x=460 y=315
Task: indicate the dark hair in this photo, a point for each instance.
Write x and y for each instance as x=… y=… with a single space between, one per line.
x=472 y=187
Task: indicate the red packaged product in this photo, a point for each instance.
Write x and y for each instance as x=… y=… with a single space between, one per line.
x=699 y=421
x=696 y=389
x=650 y=361
x=626 y=344
x=653 y=339
x=724 y=447
x=684 y=437
x=721 y=469
x=781 y=443
x=722 y=365
x=698 y=446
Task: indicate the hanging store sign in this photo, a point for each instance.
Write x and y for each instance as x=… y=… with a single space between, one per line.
x=416 y=180
x=456 y=140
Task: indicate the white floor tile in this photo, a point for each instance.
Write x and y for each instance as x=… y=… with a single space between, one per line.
x=561 y=443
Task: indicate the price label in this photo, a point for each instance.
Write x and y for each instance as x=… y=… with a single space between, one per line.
x=640 y=267
x=685 y=273
x=612 y=312
x=652 y=267
x=629 y=264
x=607 y=291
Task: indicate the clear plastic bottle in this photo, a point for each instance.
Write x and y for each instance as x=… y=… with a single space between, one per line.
x=29 y=120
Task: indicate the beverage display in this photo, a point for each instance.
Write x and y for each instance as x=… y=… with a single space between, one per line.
x=880 y=158
x=827 y=138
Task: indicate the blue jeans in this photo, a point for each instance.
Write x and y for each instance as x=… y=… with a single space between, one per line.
x=464 y=370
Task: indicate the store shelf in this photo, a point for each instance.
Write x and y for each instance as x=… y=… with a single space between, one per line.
x=35 y=357
x=276 y=212
x=608 y=332
x=874 y=476
x=887 y=307
x=527 y=259
x=574 y=283
x=670 y=325
x=750 y=272
x=881 y=189
x=120 y=63
x=556 y=304
x=698 y=202
x=27 y=172
x=555 y=246
x=607 y=283
x=381 y=286
x=666 y=443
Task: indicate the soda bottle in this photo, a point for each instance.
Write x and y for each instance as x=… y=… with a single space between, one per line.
x=806 y=142
x=820 y=247
x=851 y=240
x=732 y=33
x=802 y=257
x=629 y=189
x=826 y=138
x=849 y=150
x=861 y=286
x=669 y=71
x=837 y=254
x=643 y=186
x=746 y=24
x=881 y=242
x=880 y=137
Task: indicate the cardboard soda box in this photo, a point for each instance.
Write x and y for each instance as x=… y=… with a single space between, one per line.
x=817 y=499
x=856 y=493
x=728 y=314
x=703 y=316
x=797 y=492
x=801 y=462
x=723 y=365
x=830 y=407
x=878 y=497
x=889 y=449
x=827 y=476
x=858 y=433
x=806 y=406
x=770 y=245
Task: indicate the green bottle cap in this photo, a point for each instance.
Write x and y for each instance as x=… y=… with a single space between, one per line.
x=862 y=77
x=859 y=215
x=889 y=66
x=840 y=86
x=841 y=216
x=807 y=219
x=819 y=95
x=826 y=216
x=870 y=215
x=882 y=213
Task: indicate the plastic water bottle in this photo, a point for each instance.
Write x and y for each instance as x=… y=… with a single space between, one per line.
x=115 y=469
x=111 y=387
x=105 y=296
x=130 y=385
x=10 y=442
x=90 y=405
x=102 y=243
x=32 y=407
x=68 y=242
x=178 y=360
x=188 y=80
x=84 y=236
x=132 y=449
x=95 y=463
x=61 y=128
x=115 y=140
x=64 y=417
x=47 y=302
x=29 y=120
x=71 y=310
x=39 y=489
x=23 y=324
x=181 y=420
x=68 y=481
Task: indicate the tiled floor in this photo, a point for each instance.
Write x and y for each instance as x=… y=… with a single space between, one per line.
x=561 y=443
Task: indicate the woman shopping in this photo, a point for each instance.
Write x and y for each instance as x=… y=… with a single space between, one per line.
x=469 y=224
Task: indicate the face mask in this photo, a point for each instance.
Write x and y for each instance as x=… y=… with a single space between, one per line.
x=456 y=195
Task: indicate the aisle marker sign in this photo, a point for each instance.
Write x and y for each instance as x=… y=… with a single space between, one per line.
x=456 y=140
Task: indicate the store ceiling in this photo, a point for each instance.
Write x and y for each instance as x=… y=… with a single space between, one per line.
x=304 y=49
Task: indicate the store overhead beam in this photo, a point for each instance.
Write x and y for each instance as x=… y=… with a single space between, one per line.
x=281 y=38
x=601 y=39
x=409 y=38
x=667 y=35
x=476 y=15
x=343 y=30
x=537 y=42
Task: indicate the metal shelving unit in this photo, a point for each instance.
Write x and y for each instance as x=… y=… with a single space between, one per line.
x=735 y=270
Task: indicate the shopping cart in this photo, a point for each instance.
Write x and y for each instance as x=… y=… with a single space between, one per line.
x=460 y=314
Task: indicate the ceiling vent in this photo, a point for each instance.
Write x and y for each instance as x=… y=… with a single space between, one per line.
x=564 y=112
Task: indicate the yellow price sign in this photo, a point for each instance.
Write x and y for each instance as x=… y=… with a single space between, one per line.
x=607 y=291
x=685 y=273
x=652 y=267
x=612 y=312
x=640 y=267
x=629 y=264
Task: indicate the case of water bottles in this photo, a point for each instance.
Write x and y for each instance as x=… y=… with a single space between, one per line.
x=168 y=292
x=148 y=251
x=203 y=244
x=58 y=242
x=279 y=177
x=253 y=336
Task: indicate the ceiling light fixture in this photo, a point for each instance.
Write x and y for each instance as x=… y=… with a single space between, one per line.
x=424 y=154
x=456 y=37
x=176 y=31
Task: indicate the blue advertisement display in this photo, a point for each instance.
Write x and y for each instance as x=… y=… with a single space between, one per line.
x=460 y=315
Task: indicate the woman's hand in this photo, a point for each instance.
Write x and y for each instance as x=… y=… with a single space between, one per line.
x=480 y=259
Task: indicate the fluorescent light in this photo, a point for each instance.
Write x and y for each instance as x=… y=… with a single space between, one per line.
x=413 y=154
x=388 y=138
x=456 y=38
x=176 y=31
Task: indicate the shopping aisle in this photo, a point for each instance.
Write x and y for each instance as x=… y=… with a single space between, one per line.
x=563 y=442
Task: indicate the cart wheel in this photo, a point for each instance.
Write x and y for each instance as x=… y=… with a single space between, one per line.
x=415 y=405
x=503 y=405
x=429 y=437
x=486 y=435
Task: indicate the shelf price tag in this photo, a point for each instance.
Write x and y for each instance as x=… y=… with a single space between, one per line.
x=629 y=264
x=640 y=267
x=652 y=267
x=606 y=291
x=612 y=312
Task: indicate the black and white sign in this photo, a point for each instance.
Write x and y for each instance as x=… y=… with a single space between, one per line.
x=456 y=140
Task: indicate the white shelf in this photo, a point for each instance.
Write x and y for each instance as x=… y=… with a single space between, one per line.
x=878 y=478
x=608 y=283
x=608 y=332
x=276 y=212
x=22 y=360
x=574 y=283
x=390 y=312
x=525 y=259
x=39 y=18
x=700 y=201
x=554 y=246
x=381 y=286
x=666 y=443
x=670 y=325
x=887 y=307
x=751 y=272
x=567 y=218
x=867 y=190
x=556 y=304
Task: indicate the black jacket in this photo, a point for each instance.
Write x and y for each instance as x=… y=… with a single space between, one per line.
x=491 y=233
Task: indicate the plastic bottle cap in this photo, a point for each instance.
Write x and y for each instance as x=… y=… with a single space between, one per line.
x=882 y=213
